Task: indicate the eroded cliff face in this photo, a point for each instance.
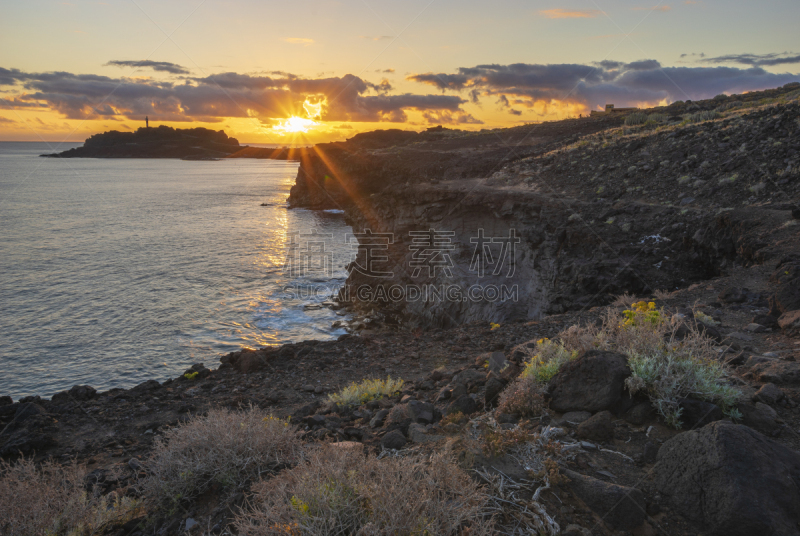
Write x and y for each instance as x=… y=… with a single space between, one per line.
x=592 y=209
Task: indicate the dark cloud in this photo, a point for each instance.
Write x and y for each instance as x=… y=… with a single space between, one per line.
x=503 y=101
x=757 y=60
x=161 y=66
x=6 y=120
x=624 y=84
x=450 y=118
x=216 y=97
x=515 y=112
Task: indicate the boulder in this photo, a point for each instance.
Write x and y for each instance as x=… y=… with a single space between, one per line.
x=418 y=434
x=574 y=418
x=593 y=382
x=769 y=394
x=464 y=404
x=379 y=417
x=639 y=414
x=399 y=418
x=760 y=417
x=599 y=427
x=621 y=507
x=777 y=371
x=470 y=378
x=421 y=412
x=731 y=480
x=494 y=386
x=698 y=413
x=786 y=280
x=789 y=322
x=393 y=440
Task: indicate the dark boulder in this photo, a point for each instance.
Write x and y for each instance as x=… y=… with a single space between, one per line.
x=621 y=507
x=599 y=427
x=494 y=386
x=769 y=394
x=731 y=480
x=593 y=382
x=789 y=322
x=786 y=281
x=78 y=393
x=698 y=413
x=464 y=404
x=393 y=440
x=421 y=412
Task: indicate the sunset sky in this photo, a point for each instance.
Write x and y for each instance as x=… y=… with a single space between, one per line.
x=266 y=71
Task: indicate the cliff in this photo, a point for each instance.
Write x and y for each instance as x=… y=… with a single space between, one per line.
x=598 y=206
x=160 y=142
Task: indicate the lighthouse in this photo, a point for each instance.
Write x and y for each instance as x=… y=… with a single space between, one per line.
x=146 y=122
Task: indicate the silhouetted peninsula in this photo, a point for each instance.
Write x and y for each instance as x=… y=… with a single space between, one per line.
x=160 y=142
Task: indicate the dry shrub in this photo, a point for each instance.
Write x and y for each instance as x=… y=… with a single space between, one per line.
x=623 y=300
x=224 y=447
x=662 y=294
x=52 y=500
x=524 y=397
x=341 y=492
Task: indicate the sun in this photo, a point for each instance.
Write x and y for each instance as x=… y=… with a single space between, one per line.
x=295 y=125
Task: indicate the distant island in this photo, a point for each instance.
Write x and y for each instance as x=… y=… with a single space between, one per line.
x=156 y=142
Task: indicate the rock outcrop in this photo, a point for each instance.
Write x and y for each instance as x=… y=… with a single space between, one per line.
x=731 y=480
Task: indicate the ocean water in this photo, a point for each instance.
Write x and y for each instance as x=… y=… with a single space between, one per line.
x=113 y=272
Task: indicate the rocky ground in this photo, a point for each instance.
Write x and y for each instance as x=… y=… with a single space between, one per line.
x=733 y=251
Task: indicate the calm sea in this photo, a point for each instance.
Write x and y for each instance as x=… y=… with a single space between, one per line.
x=113 y=272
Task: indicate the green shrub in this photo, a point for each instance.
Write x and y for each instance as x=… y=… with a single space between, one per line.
x=635 y=119
x=705 y=115
x=547 y=359
x=356 y=394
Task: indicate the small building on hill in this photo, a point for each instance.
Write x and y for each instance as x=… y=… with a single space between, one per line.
x=611 y=110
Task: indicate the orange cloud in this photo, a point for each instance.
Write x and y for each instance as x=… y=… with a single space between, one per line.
x=559 y=13
x=299 y=41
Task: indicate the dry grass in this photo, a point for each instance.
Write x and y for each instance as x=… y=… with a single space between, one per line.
x=623 y=300
x=52 y=500
x=342 y=492
x=224 y=447
x=360 y=393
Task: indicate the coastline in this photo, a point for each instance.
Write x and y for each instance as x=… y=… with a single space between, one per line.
x=599 y=213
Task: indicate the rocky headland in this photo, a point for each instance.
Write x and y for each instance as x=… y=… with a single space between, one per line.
x=694 y=207
x=156 y=142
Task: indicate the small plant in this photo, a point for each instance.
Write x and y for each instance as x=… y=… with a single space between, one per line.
x=642 y=312
x=454 y=418
x=360 y=393
x=547 y=359
x=700 y=316
x=729 y=180
x=190 y=375
x=493 y=326
x=224 y=447
x=497 y=442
